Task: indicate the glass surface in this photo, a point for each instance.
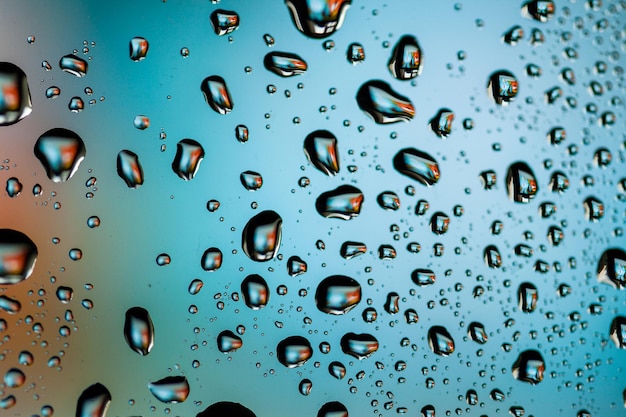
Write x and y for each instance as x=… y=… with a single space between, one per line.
x=314 y=206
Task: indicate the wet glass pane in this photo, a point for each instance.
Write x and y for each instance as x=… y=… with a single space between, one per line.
x=313 y=208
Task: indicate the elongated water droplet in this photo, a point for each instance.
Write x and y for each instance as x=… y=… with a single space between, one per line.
x=7 y=402
x=406 y=59
x=10 y=305
x=242 y=133
x=350 y=249
x=388 y=200
x=216 y=94
x=294 y=351
x=74 y=65
x=53 y=92
x=318 y=18
x=612 y=268
x=262 y=235
x=492 y=257
x=18 y=255
x=228 y=342
x=171 y=389
x=129 y=168
x=503 y=87
x=360 y=346
x=529 y=367
x=189 y=155
x=344 y=202
x=139 y=330
x=423 y=277
x=138 y=48
x=225 y=408
x=594 y=209
x=527 y=295
x=255 y=291
x=383 y=104
x=15 y=102
x=320 y=148
x=618 y=332
x=94 y=401
x=285 y=64
x=224 y=22
x=417 y=165
x=440 y=341
x=521 y=183
x=337 y=294
x=60 y=151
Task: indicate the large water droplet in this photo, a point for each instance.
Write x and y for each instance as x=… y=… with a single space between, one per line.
x=15 y=103
x=224 y=22
x=14 y=187
x=441 y=124
x=320 y=148
x=10 y=305
x=14 y=378
x=440 y=341
x=618 y=332
x=285 y=64
x=139 y=330
x=417 y=165
x=529 y=367
x=60 y=151
x=294 y=351
x=423 y=277
x=261 y=236
x=129 y=169
x=406 y=59
x=612 y=268
x=18 y=255
x=189 y=155
x=503 y=87
x=360 y=346
x=344 y=202
x=594 y=209
x=388 y=200
x=225 y=408
x=138 y=48
x=94 y=401
x=216 y=94
x=228 y=342
x=527 y=295
x=383 y=104
x=337 y=294
x=337 y=369
x=255 y=291
x=477 y=332
x=251 y=180
x=171 y=389
x=333 y=409
x=318 y=18
x=350 y=249
x=74 y=65
x=521 y=183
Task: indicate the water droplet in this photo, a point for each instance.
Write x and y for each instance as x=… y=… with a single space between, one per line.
x=262 y=235
x=529 y=367
x=139 y=330
x=344 y=202
x=25 y=358
x=93 y=402
x=138 y=48
x=527 y=295
x=76 y=105
x=320 y=148
x=15 y=102
x=318 y=18
x=255 y=292
x=163 y=259
x=294 y=351
x=417 y=165
x=440 y=341
x=383 y=104
x=184 y=52
x=594 y=209
x=18 y=255
x=296 y=266
x=60 y=151
x=388 y=200
x=406 y=59
x=53 y=92
x=540 y=10
x=7 y=402
x=355 y=53
x=285 y=64
x=225 y=408
x=360 y=346
x=423 y=277
x=492 y=257
x=216 y=94
x=14 y=187
x=65 y=294
x=337 y=370
x=195 y=286
x=514 y=35
x=521 y=183
x=441 y=124
x=350 y=249
x=305 y=387
x=211 y=259
x=74 y=65
x=129 y=168
x=224 y=22
x=189 y=155
x=241 y=133
x=333 y=409
x=212 y=205
x=141 y=122
x=93 y=222
x=439 y=223
x=612 y=268
x=617 y=332
x=14 y=378
x=503 y=87
x=75 y=254
x=228 y=342
x=477 y=332
x=251 y=180
x=171 y=389
x=337 y=294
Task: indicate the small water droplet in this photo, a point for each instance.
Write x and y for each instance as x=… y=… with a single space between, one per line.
x=503 y=87
x=224 y=22
x=216 y=94
x=138 y=48
x=228 y=342
x=251 y=180
x=285 y=64
x=440 y=341
x=527 y=295
x=211 y=259
x=521 y=183
x=350 y=249
x=163 y=259
x=129 y=168
x=294 y=351
x=406 y=59
x=74 y=65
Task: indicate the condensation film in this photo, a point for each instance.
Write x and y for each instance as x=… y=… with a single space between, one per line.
x=314 y=208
